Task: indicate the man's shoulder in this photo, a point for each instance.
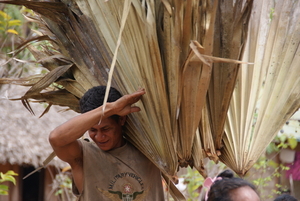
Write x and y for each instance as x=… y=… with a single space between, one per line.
x=89 y=147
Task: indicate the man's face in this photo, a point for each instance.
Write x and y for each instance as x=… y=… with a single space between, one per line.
x=108 y=135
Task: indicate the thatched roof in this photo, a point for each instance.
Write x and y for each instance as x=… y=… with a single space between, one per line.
x=23 y=136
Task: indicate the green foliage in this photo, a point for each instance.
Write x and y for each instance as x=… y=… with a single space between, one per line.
x=8 y=24
x=63 y=186
x=282 y=141
x=194 y=183
x=10 y=27
x=267 y=170
x=282 y=189
x=8 y=176
x=272 y=10
x=264 y=165
x=14 y=29
x=66 y=184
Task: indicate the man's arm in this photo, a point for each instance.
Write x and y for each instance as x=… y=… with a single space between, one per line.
x=63 y=139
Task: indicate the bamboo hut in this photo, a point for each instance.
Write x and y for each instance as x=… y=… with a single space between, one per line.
x=24 y=146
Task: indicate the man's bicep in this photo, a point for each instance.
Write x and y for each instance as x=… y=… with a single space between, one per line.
x=70 y=153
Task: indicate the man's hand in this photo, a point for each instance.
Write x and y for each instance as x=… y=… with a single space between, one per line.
x=123 y=106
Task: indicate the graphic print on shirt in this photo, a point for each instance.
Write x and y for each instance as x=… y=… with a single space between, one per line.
x=127 y=186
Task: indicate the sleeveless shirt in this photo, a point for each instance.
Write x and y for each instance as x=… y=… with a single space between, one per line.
x=120 y=174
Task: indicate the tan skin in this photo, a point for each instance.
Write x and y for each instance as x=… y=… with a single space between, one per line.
x=107 y=135
x=244 y=193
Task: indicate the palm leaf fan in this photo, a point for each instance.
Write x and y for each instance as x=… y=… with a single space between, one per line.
x=267 y=94
x=231 y=37
x=225 y=40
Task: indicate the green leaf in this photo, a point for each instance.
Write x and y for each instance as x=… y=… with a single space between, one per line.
x=3 y=187
x=285 y=168
x=58 y=192
x=14 y=23
x=272 y=148
x=272 y=163
x=5 y=15
x=2 y=192
x=282 y=138
x=9 y=178
x=10 y=172
x=12 y=31
x=292 y=142
x=193 y=188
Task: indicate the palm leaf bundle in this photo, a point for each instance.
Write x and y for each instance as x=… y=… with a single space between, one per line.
x=148 y=44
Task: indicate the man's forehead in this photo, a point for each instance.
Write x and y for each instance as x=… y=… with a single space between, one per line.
x=104 y=123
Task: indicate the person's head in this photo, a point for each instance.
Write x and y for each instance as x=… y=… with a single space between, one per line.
x=230 y=188
x=285 y=197
x=94 y=98
x=108 y=134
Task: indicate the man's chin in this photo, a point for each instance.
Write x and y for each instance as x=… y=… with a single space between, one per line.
x=104 y=148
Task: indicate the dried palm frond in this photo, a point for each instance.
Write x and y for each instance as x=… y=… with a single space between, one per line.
x=232 y=36
x=268 y=93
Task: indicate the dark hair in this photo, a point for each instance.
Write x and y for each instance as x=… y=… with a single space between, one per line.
x=94 y=98
x=285 y=197
x=220 y=189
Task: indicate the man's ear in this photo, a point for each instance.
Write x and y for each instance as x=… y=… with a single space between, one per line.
x=122 y=120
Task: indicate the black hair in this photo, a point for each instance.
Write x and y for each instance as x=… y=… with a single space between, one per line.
x=285 y=197
x=94 y=98
x=220 y=189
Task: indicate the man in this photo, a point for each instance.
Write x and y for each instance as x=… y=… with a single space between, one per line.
x=109 y=167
